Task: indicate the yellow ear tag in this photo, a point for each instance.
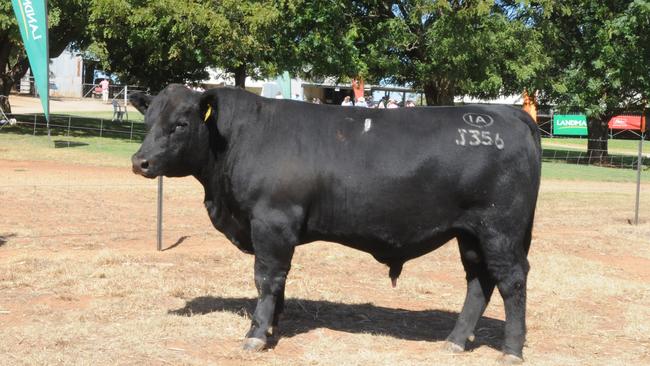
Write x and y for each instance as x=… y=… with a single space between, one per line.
x=207 y=113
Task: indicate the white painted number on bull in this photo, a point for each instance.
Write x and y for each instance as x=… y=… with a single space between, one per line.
x=478 y=120
x=498 y=142
x=462 y=132
x=477 y=138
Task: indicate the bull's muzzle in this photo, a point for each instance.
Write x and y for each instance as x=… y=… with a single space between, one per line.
x=141 y=166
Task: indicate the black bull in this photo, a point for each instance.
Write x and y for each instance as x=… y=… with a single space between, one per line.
x=394 y=183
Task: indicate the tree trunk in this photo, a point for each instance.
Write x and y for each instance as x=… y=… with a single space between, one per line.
x=6 y=82
x=597 y=144
x=240 y=76
x=440 y=92
x=4 y=104
x=5 y=78
x=9 y=79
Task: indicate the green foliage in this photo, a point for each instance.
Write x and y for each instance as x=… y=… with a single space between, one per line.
x=448 y=48
x=243 y=36
x=9 y=36
x=324 y=38
x=152 y=43
x=68 y=21
x=601 y=54
x=582 y=54
x=478 y=48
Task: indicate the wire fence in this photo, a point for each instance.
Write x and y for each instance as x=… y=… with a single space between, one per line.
x=94 y=91
x=575 y=151
x=80 y=206
x=570 y=150
x=65 y=209
x=77 y=126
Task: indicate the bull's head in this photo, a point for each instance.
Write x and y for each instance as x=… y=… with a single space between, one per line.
x=178 y=141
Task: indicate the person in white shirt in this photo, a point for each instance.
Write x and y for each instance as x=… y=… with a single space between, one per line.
x=347 y=102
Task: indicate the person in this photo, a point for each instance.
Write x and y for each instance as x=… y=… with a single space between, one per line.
x=347 y=102
x=382 y=102
x=361 y=102
x=279 y=95
x=392 y=104
x=316 y=101
x=297 y=97
x=409 y=103
x=104 y=85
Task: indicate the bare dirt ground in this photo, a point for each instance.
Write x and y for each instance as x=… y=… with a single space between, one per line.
x=81 y=283
x=30 y=104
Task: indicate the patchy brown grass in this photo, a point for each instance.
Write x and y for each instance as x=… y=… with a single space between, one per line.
x=81 y=283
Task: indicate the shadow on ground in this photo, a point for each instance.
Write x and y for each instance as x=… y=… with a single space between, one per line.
x=301 y=316
x=5 y=237
x=178 y=242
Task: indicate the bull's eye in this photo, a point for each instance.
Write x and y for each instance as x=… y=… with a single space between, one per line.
x=180 y=126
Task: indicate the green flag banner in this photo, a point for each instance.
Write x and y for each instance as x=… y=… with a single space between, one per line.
x=32 y=21
x=570 y=124
x=284 y=81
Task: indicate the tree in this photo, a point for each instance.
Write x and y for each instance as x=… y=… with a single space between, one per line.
x=154 y=43
x=67 y=19
x=320 y=39
x=455 y=48
x=151 y=43
x=246 y=38
x=601 y=61
x=447 y=48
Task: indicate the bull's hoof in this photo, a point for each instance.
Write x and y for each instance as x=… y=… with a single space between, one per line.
x=453 y=347
x=253 y=344
x=508 y=359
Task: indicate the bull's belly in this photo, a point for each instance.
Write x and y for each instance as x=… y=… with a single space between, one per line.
x=388 y=244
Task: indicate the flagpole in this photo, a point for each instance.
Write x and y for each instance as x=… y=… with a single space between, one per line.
x=47 y=68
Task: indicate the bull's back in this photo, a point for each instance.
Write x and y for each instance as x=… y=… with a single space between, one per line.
x=401 y=175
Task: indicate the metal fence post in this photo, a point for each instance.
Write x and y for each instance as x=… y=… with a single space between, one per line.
x=160 y=207
x=34 y=124
x=639 y=165
x=101 y=127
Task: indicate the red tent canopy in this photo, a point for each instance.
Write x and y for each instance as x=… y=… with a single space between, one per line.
x=625 y=122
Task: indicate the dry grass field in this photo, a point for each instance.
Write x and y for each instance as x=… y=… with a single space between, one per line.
x=81 y=283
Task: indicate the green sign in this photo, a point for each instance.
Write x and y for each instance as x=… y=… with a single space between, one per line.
x=32 y=21
x=570 y=124
x=284 y=81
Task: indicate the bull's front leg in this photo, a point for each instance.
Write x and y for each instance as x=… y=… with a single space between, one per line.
x=274 y=244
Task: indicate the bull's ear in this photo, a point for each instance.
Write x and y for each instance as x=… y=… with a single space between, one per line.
x=140 y=101
x=208 y=106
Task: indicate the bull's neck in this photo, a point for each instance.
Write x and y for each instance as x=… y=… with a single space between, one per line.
x=209 y=175
x=235 y=108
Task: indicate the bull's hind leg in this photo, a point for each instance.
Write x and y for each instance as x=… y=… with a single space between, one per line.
x=505 y=256
x=480 y=286
x=274 y=247
x=279 y=309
